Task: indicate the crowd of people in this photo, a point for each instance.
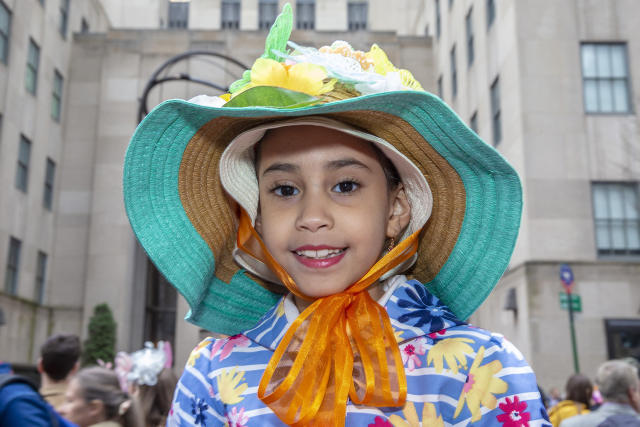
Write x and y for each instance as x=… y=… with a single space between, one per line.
x=612 y=400
x=137 y=392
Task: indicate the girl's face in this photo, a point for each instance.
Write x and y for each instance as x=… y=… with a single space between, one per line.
x=77 y=410
x=325 y=207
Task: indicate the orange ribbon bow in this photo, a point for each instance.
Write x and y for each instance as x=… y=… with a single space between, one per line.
x=341 y=345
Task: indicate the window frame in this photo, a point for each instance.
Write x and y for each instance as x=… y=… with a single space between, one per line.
x=63 y=23
x=264 y=6
x=496 y=111
x=41 y=276
x=473 y=122
x=178 y=24
x=611 y=252
x=440 y=87
x=22 y=165
x=597 y=79
x=306 y=25
x=56 y=95
x=32 y=70
x=234 y=6
x=470 y=37
x=454 y=71
x=49 y=182
x=438 y=20
x=491 y=13
x=12 y=271
x=357 y=9
x=4 y=55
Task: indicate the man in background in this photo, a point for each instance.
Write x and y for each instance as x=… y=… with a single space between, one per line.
x=58 y=362
x=619 y=385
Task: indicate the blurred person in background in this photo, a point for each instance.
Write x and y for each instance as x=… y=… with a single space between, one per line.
x=94 y=398
x=147 y=375
x=57 y=364
x=619 y=386
x=577 y=402
x=554 y=397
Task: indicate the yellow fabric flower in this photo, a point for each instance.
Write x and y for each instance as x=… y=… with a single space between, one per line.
x=382 y=65
x=229 y=387
x=196 y=352
x=280 y=309
x=451 y=350
x=429 y=417
x=481 y=386
x=302 y=77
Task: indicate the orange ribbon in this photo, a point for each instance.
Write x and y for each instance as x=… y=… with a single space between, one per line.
x=341 y=345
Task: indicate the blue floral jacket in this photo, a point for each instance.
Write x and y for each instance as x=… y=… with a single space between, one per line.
x=457 y=374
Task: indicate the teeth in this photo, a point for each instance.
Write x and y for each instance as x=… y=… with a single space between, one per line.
x=320 y=254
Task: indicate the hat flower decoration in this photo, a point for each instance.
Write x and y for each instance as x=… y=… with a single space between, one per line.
x=191 y=196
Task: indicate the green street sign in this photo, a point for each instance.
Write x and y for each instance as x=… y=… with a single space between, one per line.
x=576 y=302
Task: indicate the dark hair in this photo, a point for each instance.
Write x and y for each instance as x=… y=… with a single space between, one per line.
x=155 y=400
x=98 y=383
x=59 y=355
x=579 y=389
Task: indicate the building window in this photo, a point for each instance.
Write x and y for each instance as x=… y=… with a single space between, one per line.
x=13 y=266
x=440 y=87
x=357 y=15
x=305 y=14
x=496 y=122
x=178 y=14
x=64 y=17
x=267 y=13
x=473 y=122
x=230 y=14
x=469 y=24
x=84 y=26
x=31 y=74
x=56 y=97
x=617 y=222
x=41 y=276
x=454 y=72
x=50 y=174
x=438 y=23
x=160 y=307
x=450 y=3
x=605 y=77
x=22 y=172
x=5 y=30
x=623 y=338
x=491 y=12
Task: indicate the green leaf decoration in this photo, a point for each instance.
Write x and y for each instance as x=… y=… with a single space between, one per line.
x=276 y=40
x=239 y=84
x=279 y=33
x=271 y=96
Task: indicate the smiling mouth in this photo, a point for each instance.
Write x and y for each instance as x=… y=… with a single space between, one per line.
x=319 y=253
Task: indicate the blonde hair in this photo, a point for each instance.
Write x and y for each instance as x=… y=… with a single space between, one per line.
x=98 y=383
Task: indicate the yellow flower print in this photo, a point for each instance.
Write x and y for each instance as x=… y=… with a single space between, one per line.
x=429 y=418
x=280 y=309
x=303 y=77
x=382 y=66
x=481 y=386
x=398 y=335
x=229 y=387
x=451 y=350
x=196 y=352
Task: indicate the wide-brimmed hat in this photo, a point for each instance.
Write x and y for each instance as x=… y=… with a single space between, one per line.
x=187 y=222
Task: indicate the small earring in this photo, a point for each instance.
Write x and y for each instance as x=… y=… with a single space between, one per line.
x=392 y=243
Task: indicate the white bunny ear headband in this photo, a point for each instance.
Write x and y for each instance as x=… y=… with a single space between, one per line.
x=143 y=366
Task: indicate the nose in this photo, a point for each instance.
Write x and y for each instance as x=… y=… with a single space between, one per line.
x=314 y=213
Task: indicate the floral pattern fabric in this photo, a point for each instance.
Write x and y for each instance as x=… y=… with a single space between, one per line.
x=457 y=374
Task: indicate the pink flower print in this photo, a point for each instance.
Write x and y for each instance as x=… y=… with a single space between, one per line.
x=434 y=335
x=237 y=418
x=228 y=345
x=380 y=422
x=211 y=392
x=468 y=384
x=410 y=352
x=514 y=413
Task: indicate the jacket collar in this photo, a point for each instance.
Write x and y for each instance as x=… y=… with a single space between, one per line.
x=413 y=310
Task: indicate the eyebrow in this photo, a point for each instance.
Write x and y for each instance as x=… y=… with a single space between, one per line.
x=332 y=165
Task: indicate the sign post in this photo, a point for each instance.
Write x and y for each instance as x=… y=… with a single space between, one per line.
x=566 y=276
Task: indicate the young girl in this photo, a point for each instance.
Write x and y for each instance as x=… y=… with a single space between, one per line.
x=327 y=174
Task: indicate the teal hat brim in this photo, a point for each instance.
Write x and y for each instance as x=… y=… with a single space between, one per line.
x=492 y=210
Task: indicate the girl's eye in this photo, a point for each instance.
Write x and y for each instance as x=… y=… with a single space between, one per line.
x=346 y=187
x=285 y=191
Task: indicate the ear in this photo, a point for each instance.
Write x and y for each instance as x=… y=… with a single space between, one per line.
x=258 y=224
x=399 y=212
x=96 y=409
x=40 y=367
x=73 y=370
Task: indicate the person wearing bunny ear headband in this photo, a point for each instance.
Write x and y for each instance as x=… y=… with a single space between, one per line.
x=331 y=176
